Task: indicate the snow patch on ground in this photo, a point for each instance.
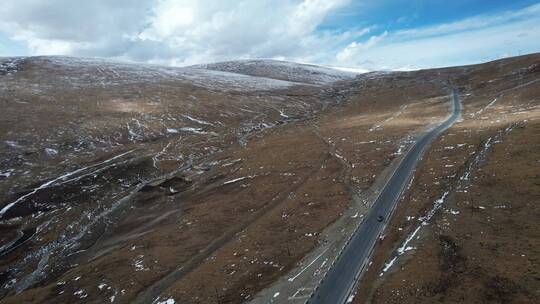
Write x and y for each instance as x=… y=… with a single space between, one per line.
x=388 y=265
x=9 y=66
x=199 y=121
x=51 y=151
x=6 y=173
x=138 y=263
x=80 y=293
x=423 y=221
x=232 y=181
x=168 y=301
x=484 y=108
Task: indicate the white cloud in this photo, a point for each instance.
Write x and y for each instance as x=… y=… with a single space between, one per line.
x=182 y=32
x=309 y=14
x=175 y=32
x=472 y=23
x=471 y=40
x=168 y=18
x=73 y=27
x=351 y=50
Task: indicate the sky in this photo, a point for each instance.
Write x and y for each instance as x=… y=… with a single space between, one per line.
x=367 y=34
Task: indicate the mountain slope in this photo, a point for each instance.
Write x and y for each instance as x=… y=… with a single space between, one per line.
x=282 y=70
x=133 y=183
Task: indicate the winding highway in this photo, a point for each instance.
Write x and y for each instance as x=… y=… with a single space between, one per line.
x=342 y=279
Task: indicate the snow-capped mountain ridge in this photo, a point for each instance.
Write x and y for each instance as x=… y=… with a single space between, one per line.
x=284 y=70
x=251 y=74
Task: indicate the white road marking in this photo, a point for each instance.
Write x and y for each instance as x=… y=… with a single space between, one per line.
x=295 y=296
x=301 y=271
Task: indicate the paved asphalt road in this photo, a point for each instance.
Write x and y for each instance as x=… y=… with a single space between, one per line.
x=342 y=278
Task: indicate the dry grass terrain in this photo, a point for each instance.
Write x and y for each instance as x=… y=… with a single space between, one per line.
x=143 y=183
x=467 y=229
